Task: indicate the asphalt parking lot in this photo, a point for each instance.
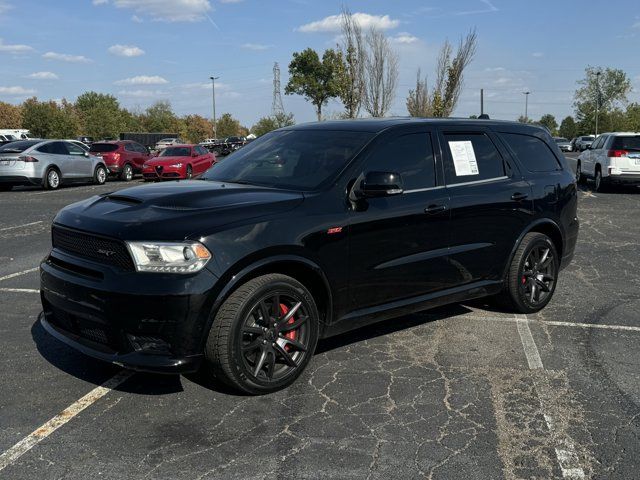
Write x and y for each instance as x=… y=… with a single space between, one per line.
x=460 y=392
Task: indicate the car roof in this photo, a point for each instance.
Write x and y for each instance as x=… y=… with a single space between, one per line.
x=377 y=125
x=616 y=134
x=189 y=145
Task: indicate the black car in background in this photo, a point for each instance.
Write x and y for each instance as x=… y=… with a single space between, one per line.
x=308 y=232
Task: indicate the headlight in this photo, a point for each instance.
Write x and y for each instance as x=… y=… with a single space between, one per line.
x=169 y=257
x=176 y=165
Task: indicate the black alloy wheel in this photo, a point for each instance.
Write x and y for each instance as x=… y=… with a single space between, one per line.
x=538 y=275
x=263 y=335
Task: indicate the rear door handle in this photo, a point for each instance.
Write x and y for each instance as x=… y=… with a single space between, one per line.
x=431 y=209
x=519 y=196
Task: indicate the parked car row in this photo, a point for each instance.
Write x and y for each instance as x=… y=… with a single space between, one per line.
x=612 y=159
x=224 y=146
x=52 y=163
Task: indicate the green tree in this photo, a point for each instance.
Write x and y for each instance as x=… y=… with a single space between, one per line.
x=608 y=90
x=100 y=115
x=195 y=128
x=549 y=122
x=10 y=115
x=523 y=119
x=568 y=128
x=632 y=118
x=267 y=124
x=316 y=80
x=159 y=117
x=50 y=120
x=227 y=126
x=418 y=102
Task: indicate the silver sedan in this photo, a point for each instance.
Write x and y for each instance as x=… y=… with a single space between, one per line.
x=48 y=163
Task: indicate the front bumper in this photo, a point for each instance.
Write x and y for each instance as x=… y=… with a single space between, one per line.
x=146 y=322
x=164 y=173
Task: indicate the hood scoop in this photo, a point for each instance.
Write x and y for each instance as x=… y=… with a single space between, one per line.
x=124 y=199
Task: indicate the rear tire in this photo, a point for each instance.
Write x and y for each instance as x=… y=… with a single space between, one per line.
x=579 y=175
x=532 y=276
x=5 y=188
x=127 y=173
x=100 y=175
x=252 y=345
x=600 y=182
x=52 y=179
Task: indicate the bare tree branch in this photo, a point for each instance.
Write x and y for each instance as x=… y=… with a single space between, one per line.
x=352 y=47
x=381 y=73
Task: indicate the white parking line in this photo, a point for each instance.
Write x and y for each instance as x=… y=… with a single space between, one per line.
x=20 y=226
x=567 y=456
x=28 y=442
x=17 y=274
x=20 y=290
x=591 y=325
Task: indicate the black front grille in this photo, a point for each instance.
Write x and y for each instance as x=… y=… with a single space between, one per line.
x=100 y=249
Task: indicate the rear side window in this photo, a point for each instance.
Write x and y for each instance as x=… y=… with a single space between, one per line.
x=103 y=147
x=533 y=153
x=472 y=157
x=129 y=147
x=626 y=143
x=410 y=155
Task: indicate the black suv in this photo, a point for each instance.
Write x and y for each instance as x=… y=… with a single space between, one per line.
x=307 y=232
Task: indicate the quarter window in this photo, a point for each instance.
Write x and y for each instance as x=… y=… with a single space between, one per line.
x=533 y=153
x=472 y=157
x=410 y=155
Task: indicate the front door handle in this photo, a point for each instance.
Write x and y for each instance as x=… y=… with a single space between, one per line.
x=519 y=196
x=431 y=209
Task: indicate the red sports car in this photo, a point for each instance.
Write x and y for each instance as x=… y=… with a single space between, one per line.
x=178 y=161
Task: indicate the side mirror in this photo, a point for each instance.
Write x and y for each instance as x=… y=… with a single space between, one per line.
x=588 y=147
x=86 y=154
x=381 y=184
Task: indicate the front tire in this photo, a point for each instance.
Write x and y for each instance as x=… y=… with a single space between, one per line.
x=532 y=276
x=579 y=174
x=100 y=175
x=263 y=335
x=189 y=173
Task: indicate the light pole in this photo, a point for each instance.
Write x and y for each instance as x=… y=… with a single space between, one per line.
x=597 y=98
x=526 y=106
x=213 y=92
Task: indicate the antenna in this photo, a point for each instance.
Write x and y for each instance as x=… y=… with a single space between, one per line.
x=276 y=106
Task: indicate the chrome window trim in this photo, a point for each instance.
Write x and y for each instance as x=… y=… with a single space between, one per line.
x=477 y=182
x=416 y=190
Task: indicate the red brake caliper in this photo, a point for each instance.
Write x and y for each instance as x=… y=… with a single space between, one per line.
x=292 y=334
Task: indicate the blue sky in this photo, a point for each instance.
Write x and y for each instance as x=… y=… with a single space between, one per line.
x=147 y=50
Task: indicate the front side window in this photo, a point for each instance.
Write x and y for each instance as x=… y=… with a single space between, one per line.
x=472 y=157
x=533 y=153
x=291 y=159
x=410 y=155
x=73 y=149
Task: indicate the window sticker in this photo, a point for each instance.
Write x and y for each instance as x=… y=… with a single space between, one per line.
x=464 y=158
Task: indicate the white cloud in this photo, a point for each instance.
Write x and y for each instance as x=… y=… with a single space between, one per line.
x=332 y=23
x=15 y=49
x=43 y=76
x=256 y=46
x=494 y=69
x=136 y=19
x=65 y=57
x=142 y=80
x=537 y=54
x=126 y=50
x=404 y=37
x=636 y=25
x=100 y=2
x=168 y=10
x=16 y=91
x=230 y=1
x=141 y=93
x=488 y=7
x=5 y=7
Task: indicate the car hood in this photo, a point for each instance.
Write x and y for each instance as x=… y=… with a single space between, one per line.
x=175 y=210
x=166 y=160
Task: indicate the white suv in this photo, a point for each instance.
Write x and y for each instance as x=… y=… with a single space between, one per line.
x=613 y=158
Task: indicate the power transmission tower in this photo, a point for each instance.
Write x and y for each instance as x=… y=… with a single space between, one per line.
x=276 y=106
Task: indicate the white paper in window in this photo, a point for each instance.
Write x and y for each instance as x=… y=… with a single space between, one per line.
x=464 y=158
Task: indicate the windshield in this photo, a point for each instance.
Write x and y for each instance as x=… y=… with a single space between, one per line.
x=626 y=143
x=17 y=147
x=588 y=139
x=290 y=159
x=561 y=140
x=176 y=152
x=103 y=147
x=166 y=140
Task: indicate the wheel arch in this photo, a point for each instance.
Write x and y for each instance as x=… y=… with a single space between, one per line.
x=46 y=172
x=546 y=226
x=302 y=269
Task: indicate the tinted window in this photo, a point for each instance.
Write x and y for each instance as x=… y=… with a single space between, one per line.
x=129 y=147
x=296 y=159
x=59 y=148
x=103 y=147
x=140 y=148
x=17 y=147
x=74 y=149
x=587 y=139
x=176 y=152
x=533 y=153
x=472 y=157
x=410 y=155
x=626 y=143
